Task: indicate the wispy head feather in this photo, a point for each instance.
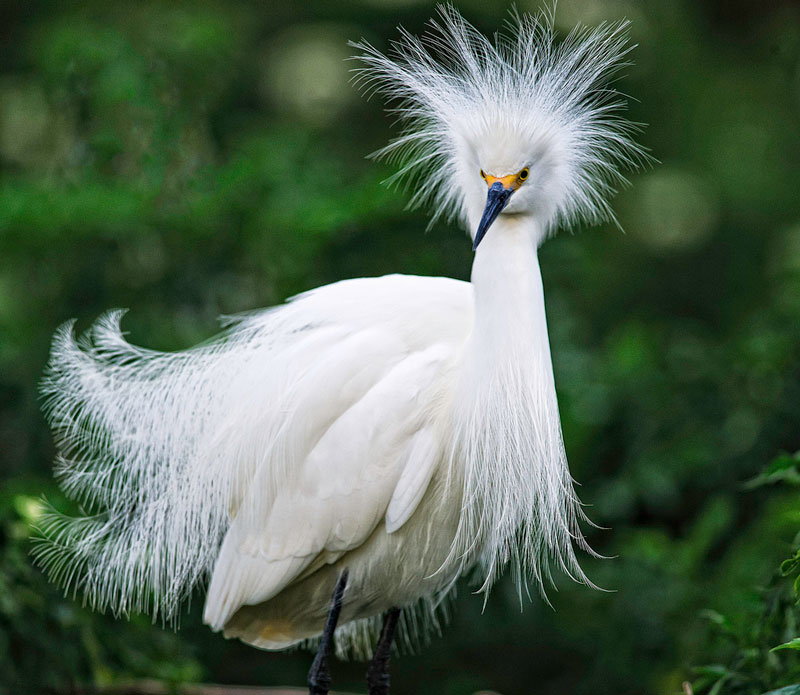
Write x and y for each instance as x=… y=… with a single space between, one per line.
x=459 y=96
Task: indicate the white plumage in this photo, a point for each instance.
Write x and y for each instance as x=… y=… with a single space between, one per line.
x=403 y=427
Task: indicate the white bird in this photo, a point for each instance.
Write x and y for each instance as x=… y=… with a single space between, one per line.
x=377 y=436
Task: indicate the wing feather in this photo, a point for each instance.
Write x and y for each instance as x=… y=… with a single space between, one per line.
x=164 y=451
x=341 y=493
x=424 y=453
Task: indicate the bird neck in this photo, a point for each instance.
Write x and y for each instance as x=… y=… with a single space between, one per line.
x=509 y=297
x=518 y=504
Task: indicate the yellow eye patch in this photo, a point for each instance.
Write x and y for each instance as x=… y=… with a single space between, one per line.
x=512 y=181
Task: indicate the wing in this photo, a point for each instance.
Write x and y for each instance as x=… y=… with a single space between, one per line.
x=164 y=450
x=340 y=492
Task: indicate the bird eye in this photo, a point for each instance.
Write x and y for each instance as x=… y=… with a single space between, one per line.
x=483 y=174
x=524 y=174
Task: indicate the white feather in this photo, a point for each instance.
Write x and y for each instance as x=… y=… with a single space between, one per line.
x=335 y=496
x=164 y=449
x=424 y=453
x=404 y=427
x=527 y=98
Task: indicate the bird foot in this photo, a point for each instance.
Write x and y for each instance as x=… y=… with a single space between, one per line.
x=378 y=671
x=319 y=675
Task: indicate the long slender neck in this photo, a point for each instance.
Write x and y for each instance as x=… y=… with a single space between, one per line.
x=518 y=505
x=509 y=298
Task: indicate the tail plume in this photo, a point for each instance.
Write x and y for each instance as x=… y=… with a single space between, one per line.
x=137 y=454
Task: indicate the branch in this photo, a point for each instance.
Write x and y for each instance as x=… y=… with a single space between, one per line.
x=153 y=687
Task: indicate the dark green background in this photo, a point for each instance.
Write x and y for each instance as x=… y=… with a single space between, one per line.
x=193 y=159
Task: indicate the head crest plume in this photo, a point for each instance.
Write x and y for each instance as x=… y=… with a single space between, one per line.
x=451 y=84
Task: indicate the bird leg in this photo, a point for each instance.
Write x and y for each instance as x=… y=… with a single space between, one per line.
x=319 y=676
x=378 y=671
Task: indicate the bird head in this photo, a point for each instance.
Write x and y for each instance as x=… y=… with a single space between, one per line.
x=524 y=128
x=522 y=171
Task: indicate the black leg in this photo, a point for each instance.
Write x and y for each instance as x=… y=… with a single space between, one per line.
x=319 y=677
x=378 y=671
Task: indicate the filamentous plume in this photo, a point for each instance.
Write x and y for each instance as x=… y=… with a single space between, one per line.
x=377 y=438
x=453 y=89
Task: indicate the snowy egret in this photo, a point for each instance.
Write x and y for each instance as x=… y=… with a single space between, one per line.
x=376 y=438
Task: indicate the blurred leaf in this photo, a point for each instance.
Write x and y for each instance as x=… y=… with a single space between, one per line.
x=784 y=468
x=790 y=566
x=791 y=644
x=788 y=690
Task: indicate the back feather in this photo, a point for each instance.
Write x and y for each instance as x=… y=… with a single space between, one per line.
x=162 y=450
x=134 y=429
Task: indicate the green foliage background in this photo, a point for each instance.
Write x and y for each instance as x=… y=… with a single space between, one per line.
x=187 y=160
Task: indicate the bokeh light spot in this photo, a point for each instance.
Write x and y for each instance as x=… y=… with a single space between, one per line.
x=675 y=210
x=305 y=73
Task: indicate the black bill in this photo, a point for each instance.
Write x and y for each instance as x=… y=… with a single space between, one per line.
x=496 y=200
